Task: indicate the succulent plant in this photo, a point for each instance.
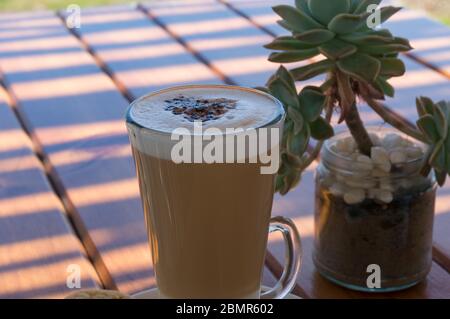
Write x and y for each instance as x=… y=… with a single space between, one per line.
x=434 y=122
x=303 y=122
x=339 y=31
x=356 y=60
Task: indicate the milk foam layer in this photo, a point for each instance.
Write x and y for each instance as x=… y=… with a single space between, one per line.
x=252 y=110
x=150 y=125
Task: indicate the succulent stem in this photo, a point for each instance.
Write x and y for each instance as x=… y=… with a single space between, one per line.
x=394 y=120
x=358 y=131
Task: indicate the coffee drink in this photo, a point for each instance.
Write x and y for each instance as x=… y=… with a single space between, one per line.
x=207 y=222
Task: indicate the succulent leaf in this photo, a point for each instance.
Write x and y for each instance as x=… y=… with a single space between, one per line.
x=285 y=25
x=284 y=74
x=425 y=105
x=291 y=180
x=383 y=32
x=440 y=177
x=438 y=157
x=403 y=41
x=440 y=120
x=298 y=143
x=315 y=36
x=292 y=162
x=385 y=49
x=388 y=12
x=312 y=102
x=321 y=129
x=421 y=110
x=385 y=87
x=360 y=66
x=292 y=56
x=280 y=186
x=295 y=19
x=392 y=67
x=280 y=89
x=288 y=175
x=312 y=70
x=367 y=39
x=302 y=5
x=347 y=23
x=427 y=126
x=288 y=127
x=297 y=118
x=434 y=122
x=288 y=43
x=337 y=49
x=325 y=10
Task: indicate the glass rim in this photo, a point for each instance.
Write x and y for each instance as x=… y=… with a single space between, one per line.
x=278 y=118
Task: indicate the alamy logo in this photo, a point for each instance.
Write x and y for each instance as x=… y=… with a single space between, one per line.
x=374 y=19
x=235 y=145
x=73 y=279
x=73 y=16
x=374 y=279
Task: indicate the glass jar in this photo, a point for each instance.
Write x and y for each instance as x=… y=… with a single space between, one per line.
x=374 y=215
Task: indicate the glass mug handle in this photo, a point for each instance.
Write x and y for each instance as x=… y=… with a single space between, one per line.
x=293 y=257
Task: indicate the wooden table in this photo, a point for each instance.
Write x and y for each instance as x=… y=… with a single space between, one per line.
x=68 y=192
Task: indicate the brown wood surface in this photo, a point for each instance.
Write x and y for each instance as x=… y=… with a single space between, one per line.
x=73 y=99
x=37 y=243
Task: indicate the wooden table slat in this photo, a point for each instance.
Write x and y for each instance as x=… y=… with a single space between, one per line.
x=37 y=243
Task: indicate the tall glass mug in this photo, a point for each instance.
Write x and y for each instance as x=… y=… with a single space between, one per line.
x=206 y=157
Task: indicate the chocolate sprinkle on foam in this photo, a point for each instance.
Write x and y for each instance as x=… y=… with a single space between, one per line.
x=195 y=109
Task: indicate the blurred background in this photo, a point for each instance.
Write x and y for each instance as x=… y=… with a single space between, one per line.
x=440 y=9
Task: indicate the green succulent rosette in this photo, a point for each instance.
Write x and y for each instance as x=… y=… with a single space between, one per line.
x=339 y=31
x=357 y=59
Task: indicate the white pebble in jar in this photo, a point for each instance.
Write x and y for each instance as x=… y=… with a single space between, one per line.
x=345 y=146
x=384 y=196
x=375 y=139
x=391 y=141
x=379 y=155
x=337 y=189
x=414 y=152
x=354 y=196
x=398 y=157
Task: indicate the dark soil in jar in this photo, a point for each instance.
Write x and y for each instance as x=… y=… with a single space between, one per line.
x=396 y=236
